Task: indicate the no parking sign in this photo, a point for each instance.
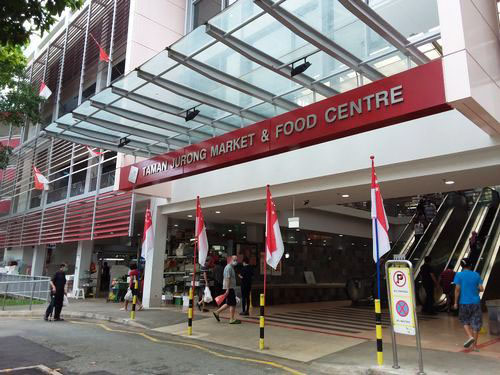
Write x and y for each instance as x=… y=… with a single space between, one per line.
x=402 y=297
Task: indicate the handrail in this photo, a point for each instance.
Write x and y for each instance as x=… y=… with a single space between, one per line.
x=403 y=231
x=487 y=237
x=428 y=226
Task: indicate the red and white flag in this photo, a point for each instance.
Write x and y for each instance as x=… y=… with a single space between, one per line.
x=148 y=235
x=380 y=225
x=44 y=91
x=201 y=234
x=274 y=242
x=103 y=56
x=41 y=182
x=93 y=153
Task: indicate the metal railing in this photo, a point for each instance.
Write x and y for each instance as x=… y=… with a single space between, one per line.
x=25 y=288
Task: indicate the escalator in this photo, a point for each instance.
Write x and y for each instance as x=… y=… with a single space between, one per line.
x=441 y=234
x=488 y=265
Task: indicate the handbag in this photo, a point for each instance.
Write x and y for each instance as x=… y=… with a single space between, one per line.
x=65 y=301
x=207 y=295
x=220 y=299
x=128 y=296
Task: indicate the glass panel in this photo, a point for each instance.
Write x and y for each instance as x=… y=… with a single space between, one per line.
x=408 y=17
x=130 y=82
x=237 y=121
x=268 y=110
x=59 y=189
x=336 y=22
x=344 y=81
x=193 y=41
x=106 y=96
x=391 y=64
x=236 y=14
x=156 y=92
x=86 y=109
x=158 y=64
x=302 y=97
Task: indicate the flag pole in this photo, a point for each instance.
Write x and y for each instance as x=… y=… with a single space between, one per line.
x=193 y=280
x=378 y=311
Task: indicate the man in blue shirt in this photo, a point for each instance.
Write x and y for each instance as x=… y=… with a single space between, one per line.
x=468 y=284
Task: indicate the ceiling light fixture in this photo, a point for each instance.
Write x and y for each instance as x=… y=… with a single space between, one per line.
x=123 y=142
x=449 y=182
x=301 y=68
x=217 y=212
x=242 y=223
x=189 y=215
x=345 y=195
x=341 y=235
x=191 y=114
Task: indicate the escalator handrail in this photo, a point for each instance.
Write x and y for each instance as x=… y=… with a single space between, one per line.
x=404 y=230
x=463 y=229
x=428 y=226
x=497 y=213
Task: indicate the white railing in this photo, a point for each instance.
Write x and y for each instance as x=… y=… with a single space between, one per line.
x=24 y=287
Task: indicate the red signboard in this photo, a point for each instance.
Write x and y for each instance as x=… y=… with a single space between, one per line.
x=405 y=96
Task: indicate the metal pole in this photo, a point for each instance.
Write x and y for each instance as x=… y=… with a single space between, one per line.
x=97 y=187
x=61 y=71
x=68 y=190
x=395 y=363
x=110 y=63
x=32 y=293
x=132 y=214
x=5 y=296
x=417 y=329
x=86 y=38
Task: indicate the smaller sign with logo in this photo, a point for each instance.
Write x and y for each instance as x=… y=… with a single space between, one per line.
x=401 y=295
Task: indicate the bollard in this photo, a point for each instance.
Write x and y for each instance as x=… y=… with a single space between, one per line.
x=378 y=326
x=261 y=323
x=190 y=312
x=134 y=300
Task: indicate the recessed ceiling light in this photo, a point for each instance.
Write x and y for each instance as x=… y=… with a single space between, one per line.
x=298 y=230
x=449 y=182
x=345 y=195
x=229 y=230
x=341 y=235
x=244 y=236
x=352 y=243
x=243 y=223
x=190 y=215
x=176 y=225
x=217 y=212
x=287 y=255
x=292 y=237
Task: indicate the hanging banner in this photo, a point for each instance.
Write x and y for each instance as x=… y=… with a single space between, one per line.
x=402 y=300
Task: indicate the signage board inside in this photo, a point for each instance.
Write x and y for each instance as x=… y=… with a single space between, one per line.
x=402 y=300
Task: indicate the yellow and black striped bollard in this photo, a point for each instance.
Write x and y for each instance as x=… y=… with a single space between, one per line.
x=261 y=322
x=378 y=326
x=190 y=313
x=134 y=300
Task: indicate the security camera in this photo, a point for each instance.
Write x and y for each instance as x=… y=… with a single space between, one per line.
x=306 y=202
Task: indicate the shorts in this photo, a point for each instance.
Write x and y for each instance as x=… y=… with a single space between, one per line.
x=231 y=298
x=471 y=315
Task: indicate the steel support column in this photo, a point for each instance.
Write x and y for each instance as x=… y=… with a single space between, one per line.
x=267 y=61
x=84 y=55
x=316 y=38
x=230 y=81
x=61 y=71
x=111 y=44
x=371 y=18
x=200 y=97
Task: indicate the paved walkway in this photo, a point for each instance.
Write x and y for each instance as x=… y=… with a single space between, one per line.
x=324 y=334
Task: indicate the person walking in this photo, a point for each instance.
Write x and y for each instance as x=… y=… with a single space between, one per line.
x=429 y=281
x=133 y=275
x=201 y=288
x=105 y=277
x=58 y=291
x=419 y=231
x=475 y=249
x=446 y=281
x=430 y=211
x=468 y=285
x=228 y=285
x=246 y=276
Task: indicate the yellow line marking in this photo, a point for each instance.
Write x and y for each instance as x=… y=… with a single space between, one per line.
x=195 y=346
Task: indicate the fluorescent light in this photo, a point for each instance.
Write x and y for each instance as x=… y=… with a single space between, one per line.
x=229 y=230
x=189 y=215
x=449 y=182
x=176 y=225
x=217 y=212
x=243 y=223
x=115 y=259
x=341 y=235
x=345 y=195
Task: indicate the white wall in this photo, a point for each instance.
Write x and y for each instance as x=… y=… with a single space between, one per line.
x=471 y=62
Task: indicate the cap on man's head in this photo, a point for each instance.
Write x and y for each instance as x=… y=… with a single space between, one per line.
x=465 y=263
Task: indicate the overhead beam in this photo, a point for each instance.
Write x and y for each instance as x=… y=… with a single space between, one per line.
x=199 y=96
x=94 y=143
x=231 y=81
x=113 y=138
x=169 y=108
x=316 y=38
x=130 y=130
x=267 y=61
x=372 y=19
x=148 y=120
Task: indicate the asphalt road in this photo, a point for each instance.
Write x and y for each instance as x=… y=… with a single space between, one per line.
x=93 y=348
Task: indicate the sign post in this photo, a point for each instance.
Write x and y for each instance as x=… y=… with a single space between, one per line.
x=402 y=306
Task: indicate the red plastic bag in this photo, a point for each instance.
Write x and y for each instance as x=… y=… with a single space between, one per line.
x=220 y=299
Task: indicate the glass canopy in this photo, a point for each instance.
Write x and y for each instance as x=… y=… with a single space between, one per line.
x=236 y=70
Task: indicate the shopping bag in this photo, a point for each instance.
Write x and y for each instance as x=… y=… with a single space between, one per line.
x=207 y=296
x=128 y=296
x=220 y=299
x=238 y=300
x=65 y=301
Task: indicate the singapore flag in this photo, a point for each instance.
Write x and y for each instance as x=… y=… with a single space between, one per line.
x=41 y=182
x=274 y=242
x=44 y=91
x=148 y=236
x=380 y=226
x=201 y=234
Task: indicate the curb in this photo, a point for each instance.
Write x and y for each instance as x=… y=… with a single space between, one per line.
x=76 y=314
x=328 y=368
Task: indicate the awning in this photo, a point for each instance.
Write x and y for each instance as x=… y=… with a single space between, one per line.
x=246 y=64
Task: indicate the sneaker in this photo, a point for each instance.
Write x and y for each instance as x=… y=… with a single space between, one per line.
x=469 y=342
x=216 y=316
x=236 y=321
